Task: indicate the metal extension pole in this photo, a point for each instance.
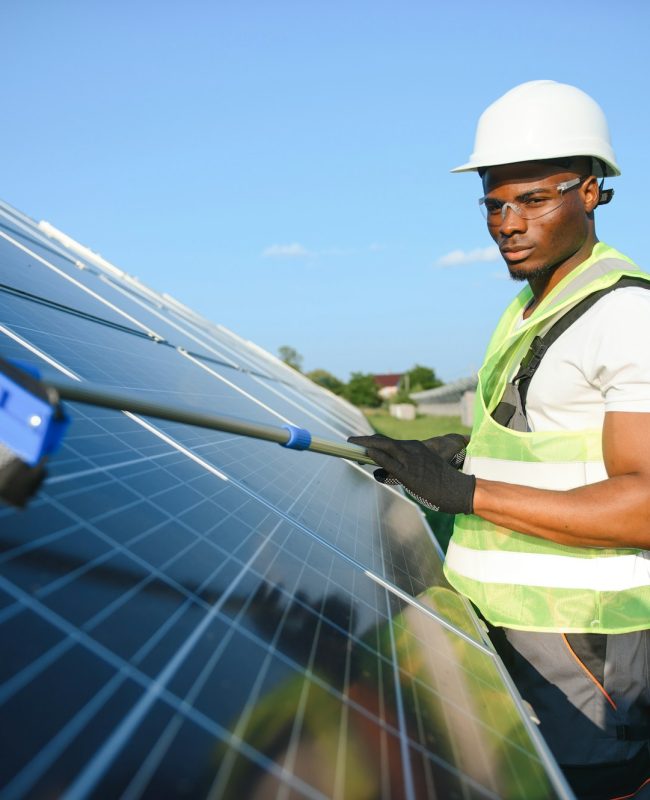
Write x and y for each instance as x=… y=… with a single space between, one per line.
x=288 y=436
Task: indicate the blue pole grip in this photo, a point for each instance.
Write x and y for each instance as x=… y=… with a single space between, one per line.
x=31 y=426
x=299 y=438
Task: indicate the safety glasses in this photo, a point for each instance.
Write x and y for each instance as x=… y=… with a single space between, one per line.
x=532 y=204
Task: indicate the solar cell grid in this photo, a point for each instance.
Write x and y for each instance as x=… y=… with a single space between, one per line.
x=200 y=331
x=345 y=422
x=115 y=358
x=22 y=272
x=238 y=347
x=292 y=383
x=208 y=344
x=21 y=226
x=193 y=614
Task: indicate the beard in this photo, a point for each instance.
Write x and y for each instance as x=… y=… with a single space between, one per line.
x=539 y=273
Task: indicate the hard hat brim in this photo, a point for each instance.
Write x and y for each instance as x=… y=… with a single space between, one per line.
x=611 y=169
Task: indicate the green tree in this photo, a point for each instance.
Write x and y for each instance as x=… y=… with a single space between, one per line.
x=290 y=356
x=362 y=390
x=324 y=378
x=419 y=378
x=401 y=396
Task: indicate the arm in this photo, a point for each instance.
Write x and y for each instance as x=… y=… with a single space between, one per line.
x=611 y=513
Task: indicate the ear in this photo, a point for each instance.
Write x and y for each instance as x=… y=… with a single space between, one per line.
x=590 y=193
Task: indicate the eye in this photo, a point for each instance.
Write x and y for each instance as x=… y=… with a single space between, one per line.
x=532 y=202
x=492 y=206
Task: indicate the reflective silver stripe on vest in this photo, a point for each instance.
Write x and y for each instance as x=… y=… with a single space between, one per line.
x=537 y=474
x=599 y=268
x=606 y=574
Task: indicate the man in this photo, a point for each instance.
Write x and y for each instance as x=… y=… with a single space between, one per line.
x=552 y=534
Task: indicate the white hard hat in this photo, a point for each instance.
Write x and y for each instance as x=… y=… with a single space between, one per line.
x=542 y=120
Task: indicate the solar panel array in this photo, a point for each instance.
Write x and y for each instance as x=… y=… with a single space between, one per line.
x=185 y=613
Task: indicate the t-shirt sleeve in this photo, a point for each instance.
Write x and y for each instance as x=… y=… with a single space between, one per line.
x=618 y=359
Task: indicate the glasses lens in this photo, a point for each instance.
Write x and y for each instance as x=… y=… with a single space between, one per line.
x=540 y=203
x=531 y=205
x=490 y=208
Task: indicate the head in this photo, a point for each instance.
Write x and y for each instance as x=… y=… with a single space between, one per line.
x=537 y=136
x=541 y=214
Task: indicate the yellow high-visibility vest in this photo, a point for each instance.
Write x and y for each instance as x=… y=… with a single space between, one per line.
x=525 y=582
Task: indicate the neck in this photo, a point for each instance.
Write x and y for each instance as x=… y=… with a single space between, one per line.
x=546 y=279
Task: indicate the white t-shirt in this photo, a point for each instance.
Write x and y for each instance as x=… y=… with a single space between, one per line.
x=601 y=363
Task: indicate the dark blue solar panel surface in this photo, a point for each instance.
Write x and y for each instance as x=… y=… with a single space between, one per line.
x=185 y=613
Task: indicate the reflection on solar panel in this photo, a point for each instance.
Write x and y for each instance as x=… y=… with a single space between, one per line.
x=186 y=613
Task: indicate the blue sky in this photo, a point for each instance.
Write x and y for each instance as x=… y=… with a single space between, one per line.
x=283 y=167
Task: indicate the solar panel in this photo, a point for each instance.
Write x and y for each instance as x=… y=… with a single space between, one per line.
x=187 y=613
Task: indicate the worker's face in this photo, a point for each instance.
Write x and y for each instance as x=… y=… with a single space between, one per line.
x=536 y=247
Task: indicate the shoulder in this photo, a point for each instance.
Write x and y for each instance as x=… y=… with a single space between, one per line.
x=614 y=354
x=623 y=309
x=619 y=320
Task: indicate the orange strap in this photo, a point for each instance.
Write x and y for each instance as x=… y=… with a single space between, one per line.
x=634 y=793
x=592 y=677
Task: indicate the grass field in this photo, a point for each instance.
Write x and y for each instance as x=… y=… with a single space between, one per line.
x=422 y=427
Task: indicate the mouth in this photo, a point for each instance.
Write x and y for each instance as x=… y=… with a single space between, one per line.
x=515 y=252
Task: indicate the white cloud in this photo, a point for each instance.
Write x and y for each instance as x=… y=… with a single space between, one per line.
x=294 y=250
x=458 y=257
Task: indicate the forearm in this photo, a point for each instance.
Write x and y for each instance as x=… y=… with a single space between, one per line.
x=611 y=513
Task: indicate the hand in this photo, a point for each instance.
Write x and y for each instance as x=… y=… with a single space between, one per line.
x=422 y=471
x=450 y=448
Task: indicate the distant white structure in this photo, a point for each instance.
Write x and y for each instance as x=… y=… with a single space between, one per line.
x=455 y=399
x=402 y=410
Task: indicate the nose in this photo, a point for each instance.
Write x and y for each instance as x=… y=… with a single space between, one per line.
x=511 y=222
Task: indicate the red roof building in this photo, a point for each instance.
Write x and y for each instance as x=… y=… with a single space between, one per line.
x=388 y=384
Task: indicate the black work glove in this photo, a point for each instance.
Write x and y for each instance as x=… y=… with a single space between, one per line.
x=422 y=471
x=450 y=448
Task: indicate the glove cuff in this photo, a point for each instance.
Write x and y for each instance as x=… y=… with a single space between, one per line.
x=470 y=485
